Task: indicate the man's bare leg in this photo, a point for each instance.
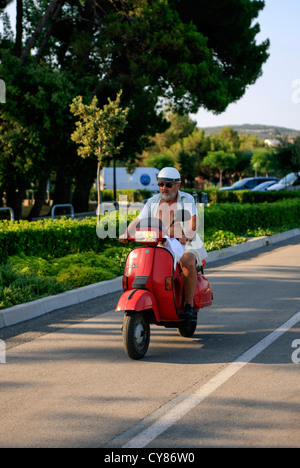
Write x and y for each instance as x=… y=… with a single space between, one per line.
x=188 y=266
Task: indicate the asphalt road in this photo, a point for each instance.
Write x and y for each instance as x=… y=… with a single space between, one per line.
x=68 y=383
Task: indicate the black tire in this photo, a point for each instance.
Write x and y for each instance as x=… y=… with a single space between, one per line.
x=136 y=335
x=187 y=328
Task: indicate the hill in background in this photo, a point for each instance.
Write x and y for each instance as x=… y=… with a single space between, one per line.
x=261 y=131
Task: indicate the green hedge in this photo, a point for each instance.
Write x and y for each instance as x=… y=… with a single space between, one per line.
x=216 y=196
x=132 y=195
x=57 y=238
x=26 y=278
x=237 y=218
x=17 y=287
x=74 y=270
x=50 y=256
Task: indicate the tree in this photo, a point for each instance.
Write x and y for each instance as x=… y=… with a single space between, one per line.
x=187 y=162
x=30 y=142
x=219 y=160
x=159 y=160
x=53 y=11
x=206 y=59
x=180 y=53
x=17 y=147
x=230 y=31
x=296 y=154
x=97 y=129
x=288 y=157
x=262 y=161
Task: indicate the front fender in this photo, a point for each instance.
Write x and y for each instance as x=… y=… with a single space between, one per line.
x=137 y=300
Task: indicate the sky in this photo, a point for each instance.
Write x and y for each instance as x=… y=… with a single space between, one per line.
x=274 y=99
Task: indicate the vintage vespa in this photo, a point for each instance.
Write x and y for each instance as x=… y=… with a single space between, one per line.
x=153 y=289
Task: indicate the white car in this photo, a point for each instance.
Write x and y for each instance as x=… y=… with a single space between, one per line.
x=289 y=182
x=264 y=186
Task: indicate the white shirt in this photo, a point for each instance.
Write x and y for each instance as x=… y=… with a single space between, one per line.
x=184 y=201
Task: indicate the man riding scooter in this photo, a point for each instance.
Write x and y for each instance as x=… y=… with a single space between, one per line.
x=164 y=206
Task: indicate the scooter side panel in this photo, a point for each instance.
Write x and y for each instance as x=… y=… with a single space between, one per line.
x=178 y=289
x=203 y=294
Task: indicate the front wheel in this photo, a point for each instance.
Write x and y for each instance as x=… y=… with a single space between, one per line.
x=187 y=328
x=136 y=335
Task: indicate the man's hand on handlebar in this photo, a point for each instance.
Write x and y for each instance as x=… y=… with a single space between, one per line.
x=124 y=238
x=129 y=231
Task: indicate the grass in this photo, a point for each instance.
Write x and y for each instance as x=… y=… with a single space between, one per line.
x=26 y=278
x=17 y=288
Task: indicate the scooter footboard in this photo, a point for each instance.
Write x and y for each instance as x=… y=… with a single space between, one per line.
x=137 y=300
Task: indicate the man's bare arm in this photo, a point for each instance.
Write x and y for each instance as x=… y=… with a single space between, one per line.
x=130 y=230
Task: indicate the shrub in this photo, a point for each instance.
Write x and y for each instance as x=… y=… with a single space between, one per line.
x=57 y=238
x=238 y=218
x=47 y=257
x=17 y=287
x=61 y=237
x=73 y=270
x=221 y=239
x=216 y=196
x=132 y=195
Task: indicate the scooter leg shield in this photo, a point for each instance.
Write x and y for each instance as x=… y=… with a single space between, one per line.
x=137 y=300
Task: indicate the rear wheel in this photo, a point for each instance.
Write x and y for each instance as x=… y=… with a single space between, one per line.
x=187 y=328
x=136 y=335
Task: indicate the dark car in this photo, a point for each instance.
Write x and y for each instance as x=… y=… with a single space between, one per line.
x=249 y=183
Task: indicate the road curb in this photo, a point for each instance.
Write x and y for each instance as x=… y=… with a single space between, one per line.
x=29 y=310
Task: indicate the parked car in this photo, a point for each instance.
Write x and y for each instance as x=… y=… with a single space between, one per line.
x=249 y=183
x=289 y=182
x=264 y=186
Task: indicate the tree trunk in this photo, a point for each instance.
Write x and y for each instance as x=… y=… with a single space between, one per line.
x=14 y=200
x=38 y=31
x=81 y=196
x=1 y=196
x=220 y=177
x=62 y=194
x=85 y=175
x=48 y=33
x=19 y=28
x=39 y=199
x=99 y=191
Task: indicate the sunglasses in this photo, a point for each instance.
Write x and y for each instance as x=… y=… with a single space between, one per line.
x=167 y=184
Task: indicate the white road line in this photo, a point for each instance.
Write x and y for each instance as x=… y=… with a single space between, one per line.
x=182 y=408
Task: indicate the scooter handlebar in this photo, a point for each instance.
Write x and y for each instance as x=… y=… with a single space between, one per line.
x=146 y=241
x=126 y=240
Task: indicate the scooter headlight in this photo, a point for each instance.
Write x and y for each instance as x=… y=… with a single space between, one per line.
x=146 y=236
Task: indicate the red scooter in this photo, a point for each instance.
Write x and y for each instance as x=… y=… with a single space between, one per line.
x=153 y=290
